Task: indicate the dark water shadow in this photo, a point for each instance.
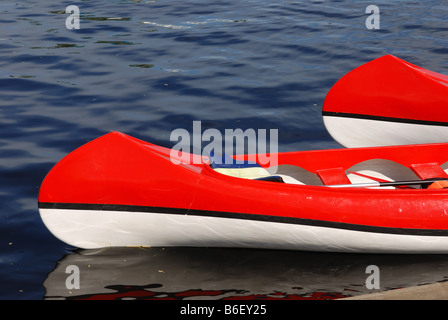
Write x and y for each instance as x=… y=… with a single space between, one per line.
x=226 y=274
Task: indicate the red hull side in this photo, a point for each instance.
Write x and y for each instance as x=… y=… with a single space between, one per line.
x=390 y=87
x=120 y=170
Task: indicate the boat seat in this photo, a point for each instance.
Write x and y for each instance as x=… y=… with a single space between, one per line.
x=293 y=174
x=241 y=169
x=382 y=169
x=428 y=170
x=365 y=176
x=333 y=176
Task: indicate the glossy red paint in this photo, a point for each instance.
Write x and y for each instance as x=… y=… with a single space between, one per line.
x=392 y=88
x=117 y=169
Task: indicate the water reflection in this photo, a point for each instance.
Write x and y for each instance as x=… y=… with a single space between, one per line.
x=148 y=67
x=215 y=273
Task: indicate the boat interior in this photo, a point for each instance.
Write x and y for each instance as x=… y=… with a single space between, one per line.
x=365 y=172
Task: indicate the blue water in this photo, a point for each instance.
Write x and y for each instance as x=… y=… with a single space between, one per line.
x=146 y=68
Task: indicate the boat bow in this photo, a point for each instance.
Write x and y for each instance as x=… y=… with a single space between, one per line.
x=388 y=101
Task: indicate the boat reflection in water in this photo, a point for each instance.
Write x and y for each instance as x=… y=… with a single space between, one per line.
x=217 y=273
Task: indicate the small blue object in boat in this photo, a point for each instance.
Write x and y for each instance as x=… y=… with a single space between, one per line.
x=241 y=168
x=224 y=161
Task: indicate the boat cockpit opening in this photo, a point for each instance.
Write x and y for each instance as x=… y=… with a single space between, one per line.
x=374 y=170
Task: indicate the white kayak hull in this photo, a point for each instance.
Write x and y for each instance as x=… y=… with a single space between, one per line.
x=89 y=229
x=352 y=132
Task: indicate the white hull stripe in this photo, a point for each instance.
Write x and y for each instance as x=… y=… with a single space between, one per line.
x=382 y=118
x=245 y=216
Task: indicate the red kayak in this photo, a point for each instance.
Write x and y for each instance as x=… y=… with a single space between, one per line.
x=388 y=101
x=121 y=191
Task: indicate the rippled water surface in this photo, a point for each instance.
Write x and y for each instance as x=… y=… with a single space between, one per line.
x=148 y=67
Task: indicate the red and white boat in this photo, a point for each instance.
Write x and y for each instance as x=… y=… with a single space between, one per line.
x=121 y=191
x=388 y=101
